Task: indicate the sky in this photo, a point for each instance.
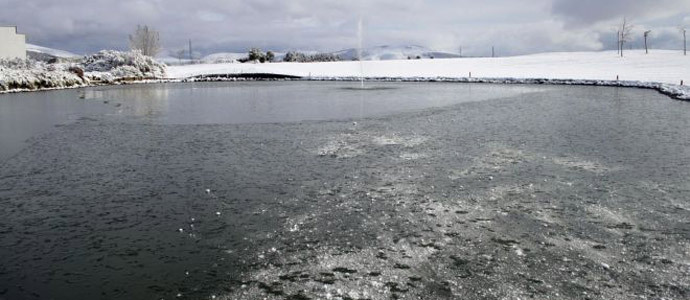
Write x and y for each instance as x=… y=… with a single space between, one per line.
x=512 y=27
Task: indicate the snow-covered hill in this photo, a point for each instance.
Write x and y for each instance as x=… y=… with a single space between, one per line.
x=223 y=57
x=395 y=53
x=50 y=51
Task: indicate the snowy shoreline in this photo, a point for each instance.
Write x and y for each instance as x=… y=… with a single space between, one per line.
x=677 y=92
x=674 y=91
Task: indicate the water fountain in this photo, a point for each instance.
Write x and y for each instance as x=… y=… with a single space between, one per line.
x=359 y=52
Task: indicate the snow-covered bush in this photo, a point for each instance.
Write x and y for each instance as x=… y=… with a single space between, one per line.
x=257 y=55
x=104 y=67
x=20 y=74
x=293 y=56
x=19 y=64
x=131 y=65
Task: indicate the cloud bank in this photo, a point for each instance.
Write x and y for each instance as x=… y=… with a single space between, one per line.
x=512 y=27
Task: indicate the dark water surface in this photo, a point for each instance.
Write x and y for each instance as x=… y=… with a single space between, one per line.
x=297 y=190
x=29 y=114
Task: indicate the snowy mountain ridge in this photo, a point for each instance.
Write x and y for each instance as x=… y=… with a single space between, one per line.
x=387 y=52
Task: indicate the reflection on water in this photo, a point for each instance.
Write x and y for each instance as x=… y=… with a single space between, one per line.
x=23 y=116
x=26 y=115
x=134 y=101
x=369 y=88
x=259 y=102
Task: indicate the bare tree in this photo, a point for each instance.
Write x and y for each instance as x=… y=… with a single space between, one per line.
x=646 y=34
x=145 y=40
x=624 y=32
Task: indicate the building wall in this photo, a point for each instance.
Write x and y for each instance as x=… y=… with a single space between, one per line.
x=12 y=45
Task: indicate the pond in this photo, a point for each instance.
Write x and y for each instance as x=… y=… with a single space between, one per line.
x=312 y=190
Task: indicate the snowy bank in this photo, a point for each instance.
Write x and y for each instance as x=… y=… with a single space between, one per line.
x=21 y=75
x=105 y=67
x=660 y=69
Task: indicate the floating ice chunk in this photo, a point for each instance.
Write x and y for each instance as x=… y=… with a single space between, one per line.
x=519 y=252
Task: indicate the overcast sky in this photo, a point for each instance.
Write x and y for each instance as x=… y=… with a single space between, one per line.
x=514 y=27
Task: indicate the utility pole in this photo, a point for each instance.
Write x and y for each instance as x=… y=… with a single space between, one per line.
x=646 y=34
x=618 y=42
x=191 y=57
x=685 y=42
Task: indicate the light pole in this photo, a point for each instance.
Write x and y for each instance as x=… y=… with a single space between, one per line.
x=685 y=42
x=191 y=57
x=646 y=34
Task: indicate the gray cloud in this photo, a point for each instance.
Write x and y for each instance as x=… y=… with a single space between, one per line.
x=587 y=12
x=514 y=27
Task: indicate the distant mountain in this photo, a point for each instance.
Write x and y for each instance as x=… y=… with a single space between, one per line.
x=395 y=52
x=45 y=51
x=373 y=53
x=223 y=57
x=214 y=58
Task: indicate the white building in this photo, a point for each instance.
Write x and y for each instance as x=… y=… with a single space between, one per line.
x=12 y=45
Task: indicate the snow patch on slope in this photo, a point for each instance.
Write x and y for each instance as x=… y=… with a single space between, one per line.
x=50 y=51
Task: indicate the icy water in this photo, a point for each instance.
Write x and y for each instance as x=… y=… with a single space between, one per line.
x=297 y=190
x=23 y=116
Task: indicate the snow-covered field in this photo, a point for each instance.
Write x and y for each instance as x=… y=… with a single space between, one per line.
x=662 y=66
x=660 y=69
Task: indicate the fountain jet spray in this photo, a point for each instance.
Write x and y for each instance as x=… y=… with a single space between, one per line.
x=359 y=52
